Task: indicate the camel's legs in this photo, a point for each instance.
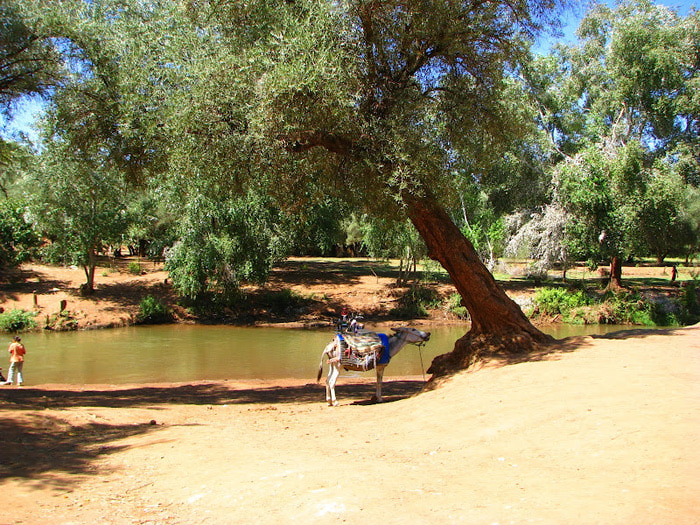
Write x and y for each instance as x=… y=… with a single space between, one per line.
x=333 y=373
x=380 y=378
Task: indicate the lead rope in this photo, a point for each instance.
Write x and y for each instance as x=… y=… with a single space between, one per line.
x=420 y=353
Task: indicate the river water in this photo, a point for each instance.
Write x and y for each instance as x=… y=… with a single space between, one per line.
x=176 y=353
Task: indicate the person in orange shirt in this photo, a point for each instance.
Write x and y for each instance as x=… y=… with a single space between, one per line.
x=17 y=352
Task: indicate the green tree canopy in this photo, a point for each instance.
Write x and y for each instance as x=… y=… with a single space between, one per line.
x=224 y=242
x=80 y=206
x=375 y=101
x=18 y=239
x=621 y=109
x=29 y=62
x=378 y=99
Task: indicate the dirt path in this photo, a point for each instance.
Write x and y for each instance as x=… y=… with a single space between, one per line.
x=604 y=431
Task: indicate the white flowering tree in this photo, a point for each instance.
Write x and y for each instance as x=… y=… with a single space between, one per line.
x=540 y=235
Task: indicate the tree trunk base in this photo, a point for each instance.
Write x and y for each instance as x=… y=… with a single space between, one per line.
x=85 y=290
x=473 y=348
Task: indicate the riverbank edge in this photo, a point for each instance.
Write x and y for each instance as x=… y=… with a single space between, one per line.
x=40 y=290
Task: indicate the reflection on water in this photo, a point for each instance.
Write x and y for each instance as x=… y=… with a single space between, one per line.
x=191 y=352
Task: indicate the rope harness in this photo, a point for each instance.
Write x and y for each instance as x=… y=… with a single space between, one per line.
x=420 y=353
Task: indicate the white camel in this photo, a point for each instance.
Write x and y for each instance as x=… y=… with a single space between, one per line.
x=332 y=352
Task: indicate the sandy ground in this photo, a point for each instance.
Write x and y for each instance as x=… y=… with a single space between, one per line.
x=600 y=431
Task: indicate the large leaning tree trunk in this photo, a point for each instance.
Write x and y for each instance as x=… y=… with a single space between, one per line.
x=499 y=326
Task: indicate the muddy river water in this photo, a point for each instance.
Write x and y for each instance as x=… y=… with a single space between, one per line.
x=174 y=353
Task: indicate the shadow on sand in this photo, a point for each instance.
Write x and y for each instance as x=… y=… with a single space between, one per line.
x=40 y=446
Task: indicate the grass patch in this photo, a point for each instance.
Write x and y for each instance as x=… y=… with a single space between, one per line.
x=17 y=321
x=153 y=311
x=134 y=268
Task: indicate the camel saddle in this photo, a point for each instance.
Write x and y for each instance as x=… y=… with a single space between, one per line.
x=363 y=351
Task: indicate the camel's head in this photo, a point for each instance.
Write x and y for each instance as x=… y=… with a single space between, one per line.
x=411 y=335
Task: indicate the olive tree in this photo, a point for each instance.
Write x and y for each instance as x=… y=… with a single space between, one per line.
x=372 y=101
x=30 y=64
x=377 y=99
x=621 y=109
x=224 y=242
x=80 y=206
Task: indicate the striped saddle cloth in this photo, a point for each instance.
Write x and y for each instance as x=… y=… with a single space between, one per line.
x=361 y=352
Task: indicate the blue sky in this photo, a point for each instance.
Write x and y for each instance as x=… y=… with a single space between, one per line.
x=31 y=110
x=24 y=116
x=571 y=19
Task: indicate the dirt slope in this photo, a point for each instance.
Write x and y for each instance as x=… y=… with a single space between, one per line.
x=603 y=431
x=323 y=287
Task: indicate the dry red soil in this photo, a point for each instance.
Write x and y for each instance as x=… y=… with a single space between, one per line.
x=597 y=431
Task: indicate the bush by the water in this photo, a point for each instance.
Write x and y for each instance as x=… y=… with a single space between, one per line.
x=153 y=311
x=453 y=304
x=16 y=321
x=415 y=302
x=283 y=302
x=689 y=298
x=576 y=306
x=628 y=307
x=559 y=301
x=62 y=321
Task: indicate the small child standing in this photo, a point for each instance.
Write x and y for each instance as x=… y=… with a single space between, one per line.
x=17 y=352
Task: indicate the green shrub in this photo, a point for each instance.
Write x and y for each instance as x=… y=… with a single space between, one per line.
x=560 y=301
x=153 y=311
x=626 y=307
x=283 y=302
x=687 y=310
x=16 y=321
x=454 y=306
x=18 y=238
x=62 y=321
x=415 y=302
x=689 y=297
x=134 y=268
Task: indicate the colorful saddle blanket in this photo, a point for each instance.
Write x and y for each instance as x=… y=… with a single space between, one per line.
x=364 y=351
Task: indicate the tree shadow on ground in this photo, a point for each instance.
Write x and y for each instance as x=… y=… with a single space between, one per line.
x=330 y=271
x=27 y=282
x=130 y=294
x=558 y=347
x=637 y=333
x=35 y=444
x=41 y=447
x=219 y=393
